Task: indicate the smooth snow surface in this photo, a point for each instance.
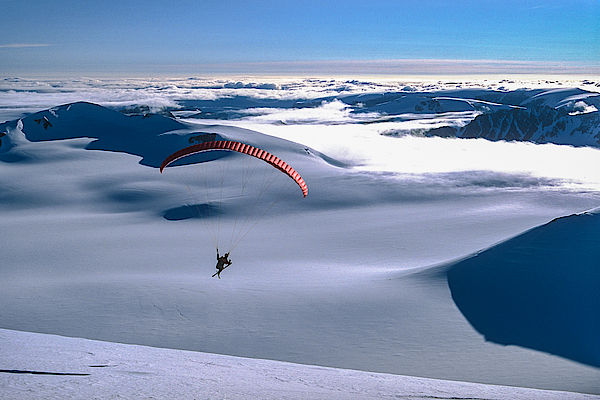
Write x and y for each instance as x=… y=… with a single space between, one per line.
x=112 y=370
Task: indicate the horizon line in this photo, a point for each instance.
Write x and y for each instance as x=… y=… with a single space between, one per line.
x=399 y=66
x=410 y=66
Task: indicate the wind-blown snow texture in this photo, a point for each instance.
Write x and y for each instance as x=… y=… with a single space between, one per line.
x=98 y=244
x=55 y=367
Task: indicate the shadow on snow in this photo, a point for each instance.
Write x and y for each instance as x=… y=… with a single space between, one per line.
x=538 y=290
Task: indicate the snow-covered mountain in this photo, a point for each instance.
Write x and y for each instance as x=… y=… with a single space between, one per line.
x=555 y=116
x=86 y=120
x=98 y=244
x=561 y=116
x=545 y=112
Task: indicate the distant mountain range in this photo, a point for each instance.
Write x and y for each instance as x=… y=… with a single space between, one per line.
x=567 y=116
x=541 y=124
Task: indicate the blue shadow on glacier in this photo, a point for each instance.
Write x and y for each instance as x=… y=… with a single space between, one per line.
x=539 y=290
x=192 y=211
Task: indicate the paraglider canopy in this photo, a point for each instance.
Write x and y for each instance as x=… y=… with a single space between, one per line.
x=217 y=176
x=239 y=147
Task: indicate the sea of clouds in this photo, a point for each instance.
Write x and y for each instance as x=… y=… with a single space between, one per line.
x=19 y=95
x=362 y=139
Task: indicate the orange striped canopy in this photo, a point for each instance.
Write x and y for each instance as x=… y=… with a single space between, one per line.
x=240 y=148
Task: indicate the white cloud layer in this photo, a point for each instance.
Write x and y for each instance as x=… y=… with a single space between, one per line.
x=333 y=112
x=366 y=149
x=25 y=95
x=581 y=107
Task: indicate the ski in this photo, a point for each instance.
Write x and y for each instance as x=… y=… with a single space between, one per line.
x=215 y=274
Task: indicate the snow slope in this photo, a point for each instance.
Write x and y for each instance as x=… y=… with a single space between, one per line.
x=538 y=290
x=90 y=250
x=31 y=364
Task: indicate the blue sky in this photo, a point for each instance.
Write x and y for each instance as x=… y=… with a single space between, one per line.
x=213 y=36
